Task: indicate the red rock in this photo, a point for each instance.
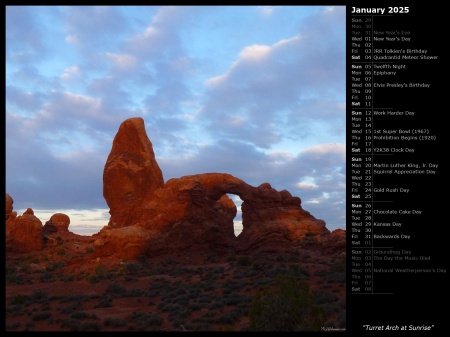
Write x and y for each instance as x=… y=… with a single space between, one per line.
x=25 y=233
x=29 y=211
x=58 y=222
x=192 y=212
x=9 y=204
x=335 y=243
x=187 y=214
x=127 y=242
x=131 y=173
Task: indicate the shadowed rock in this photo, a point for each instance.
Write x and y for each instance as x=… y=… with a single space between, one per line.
x=9 y=204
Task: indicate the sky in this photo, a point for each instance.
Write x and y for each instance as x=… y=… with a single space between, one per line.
x=254 y=91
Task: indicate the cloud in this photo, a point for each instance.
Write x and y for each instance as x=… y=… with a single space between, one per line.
x=122 y=61
x=92 y=27
x=266 y=10
x=71 y=73
x=214 y=97
x=301 y=68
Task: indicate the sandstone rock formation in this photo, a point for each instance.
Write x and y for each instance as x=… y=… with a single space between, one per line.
x=193 y=212
x=335 y=243
x=58 y=222
x=24 y=233
x=187 y=214
x=131 y=173
x=9 y=204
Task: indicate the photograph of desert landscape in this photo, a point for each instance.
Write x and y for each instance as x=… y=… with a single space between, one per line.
x=175 y=168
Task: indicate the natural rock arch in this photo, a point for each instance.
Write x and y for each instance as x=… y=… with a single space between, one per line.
x=194 y=212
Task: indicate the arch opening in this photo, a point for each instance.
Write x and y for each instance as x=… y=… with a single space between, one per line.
x=237 y=221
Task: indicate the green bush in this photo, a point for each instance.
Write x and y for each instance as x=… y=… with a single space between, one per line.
x=286 y=306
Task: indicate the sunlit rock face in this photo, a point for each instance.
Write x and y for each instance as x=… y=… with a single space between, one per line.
x=194 y=212
x=24 y=233
x=187 y=214
x=58 y=222
x=131 y=173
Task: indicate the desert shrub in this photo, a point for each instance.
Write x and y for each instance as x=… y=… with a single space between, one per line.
x=19 y=299
x=323 y=298
x=196 y=306
x=75 y=325
x=47 y=277
x=116 y=288
x=298 y=271
x=209 y=286
x=177 y=320
x=105 y=302
x=260 y=265
x=320 y=272
x=55 y=266
x=204 y=299
x=337 y=277
x=12 y=326
x=135 y=292
x=68 y=278
x=14 y=278
x=61 y=252
x=70 y=308
x=101 y=272
x=90 y=326
x=217 y=304
x=233 y=299
x=338 y=266
x=146 y=320
x=228 y=328
x=341 y=320
x=213 y=258
x=29 y=326
x=38 y=295
x=280 y=257
x=132 y=268
x=290 y=302
x=46 y=306
x=182 y=300
x=82 y=315
x=198 y=326
x=41 y=316
x=243 y=261
x=114 y=322
x=257 y=283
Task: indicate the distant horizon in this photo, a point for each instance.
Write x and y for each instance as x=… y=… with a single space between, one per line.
x=89 y=222
x=92 y=226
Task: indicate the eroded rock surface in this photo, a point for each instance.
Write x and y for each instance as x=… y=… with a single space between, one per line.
x=194 y=212
x=24 y=233
x=190 y=213
x=58 y=222
x=131 y=173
